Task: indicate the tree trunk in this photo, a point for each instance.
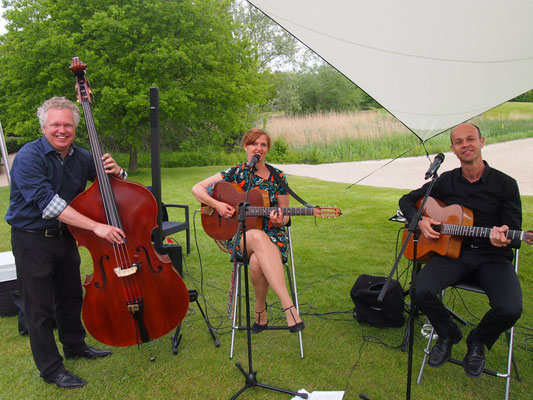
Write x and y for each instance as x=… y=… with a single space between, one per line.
x=133 y=164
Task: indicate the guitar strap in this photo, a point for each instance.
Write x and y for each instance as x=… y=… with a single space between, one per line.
x=282 y=183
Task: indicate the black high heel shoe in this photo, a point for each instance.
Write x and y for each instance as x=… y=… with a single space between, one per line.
x=256 y=328
x=297 y=327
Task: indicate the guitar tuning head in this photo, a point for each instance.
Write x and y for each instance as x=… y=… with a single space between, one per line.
x=528 y=237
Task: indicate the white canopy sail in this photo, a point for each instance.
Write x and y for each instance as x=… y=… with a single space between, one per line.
x=431 y=63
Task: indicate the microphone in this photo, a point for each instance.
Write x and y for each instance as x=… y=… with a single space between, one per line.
x=255 y=158
x=437 y=161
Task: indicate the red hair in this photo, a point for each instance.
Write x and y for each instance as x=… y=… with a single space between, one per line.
x=253 y=134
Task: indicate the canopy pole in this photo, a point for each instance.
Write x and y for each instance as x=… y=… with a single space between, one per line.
x=5 y=155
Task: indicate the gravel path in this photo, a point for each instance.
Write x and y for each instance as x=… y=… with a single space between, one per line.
x=408 y=172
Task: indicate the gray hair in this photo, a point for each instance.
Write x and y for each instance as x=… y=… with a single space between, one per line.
x=58 y=103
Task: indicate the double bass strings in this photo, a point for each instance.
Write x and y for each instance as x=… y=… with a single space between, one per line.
x=129 y=283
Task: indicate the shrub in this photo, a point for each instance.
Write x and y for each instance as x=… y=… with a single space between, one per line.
x=13 y=144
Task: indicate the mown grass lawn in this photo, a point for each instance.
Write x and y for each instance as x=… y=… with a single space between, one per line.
x=340 y=354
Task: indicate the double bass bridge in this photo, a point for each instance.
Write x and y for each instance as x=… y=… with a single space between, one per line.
x=124 y=272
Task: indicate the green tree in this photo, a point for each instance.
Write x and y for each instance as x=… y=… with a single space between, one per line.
x=208 y=77
x=325 y=89
x=526 y=97
x=286 y=97
x=318 y=89
x=276 y=48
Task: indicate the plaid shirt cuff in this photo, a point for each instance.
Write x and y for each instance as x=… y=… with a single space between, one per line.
x=54 y=208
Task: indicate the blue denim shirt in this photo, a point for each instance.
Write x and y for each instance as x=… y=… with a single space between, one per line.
x=42 y=183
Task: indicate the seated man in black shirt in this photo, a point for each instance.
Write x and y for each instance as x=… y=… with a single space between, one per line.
x=494 y=199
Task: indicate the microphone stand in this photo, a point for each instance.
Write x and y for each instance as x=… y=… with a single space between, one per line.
x=414 y=232
x=250 y=376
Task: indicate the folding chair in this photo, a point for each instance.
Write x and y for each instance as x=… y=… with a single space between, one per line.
x=239 y=319
x=166 y=227
x=511 y=363
x=170 y=227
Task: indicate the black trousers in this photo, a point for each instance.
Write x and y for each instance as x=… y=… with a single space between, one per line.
x=492 y=272
x=48 y=275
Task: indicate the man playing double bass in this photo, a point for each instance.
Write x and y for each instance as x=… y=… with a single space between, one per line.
x=494 y=199
x=46 y=176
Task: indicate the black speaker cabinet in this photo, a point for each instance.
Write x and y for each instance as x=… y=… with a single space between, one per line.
x=174 y=251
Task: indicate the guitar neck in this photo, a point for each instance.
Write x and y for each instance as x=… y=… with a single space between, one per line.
x=265 y=211
x=475 y=231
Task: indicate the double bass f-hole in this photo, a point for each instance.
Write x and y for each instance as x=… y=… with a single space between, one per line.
x=133 y=295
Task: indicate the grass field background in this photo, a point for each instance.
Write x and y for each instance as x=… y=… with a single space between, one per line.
x=340 y=354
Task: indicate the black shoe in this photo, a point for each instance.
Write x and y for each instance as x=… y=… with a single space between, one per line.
x=442 y=350
x=89 y=353
x=297 y=327
x=474 y=361
x=256 y=328
x=66 y=380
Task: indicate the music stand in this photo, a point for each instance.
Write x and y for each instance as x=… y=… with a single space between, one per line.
x=250 y=376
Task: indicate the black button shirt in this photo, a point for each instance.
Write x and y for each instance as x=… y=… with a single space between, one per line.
x=494 y=200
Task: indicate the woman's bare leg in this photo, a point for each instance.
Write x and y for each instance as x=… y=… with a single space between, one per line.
x=268 y=266
x=260 y=285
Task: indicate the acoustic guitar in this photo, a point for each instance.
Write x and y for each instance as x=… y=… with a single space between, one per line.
x=457 y=223
x=220 y=228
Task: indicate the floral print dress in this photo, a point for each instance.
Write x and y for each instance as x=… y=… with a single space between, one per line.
x=240 y=176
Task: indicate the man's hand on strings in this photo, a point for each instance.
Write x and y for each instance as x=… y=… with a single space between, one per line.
x=110 y=165
x=425 y=226
x=497 y=236
x=111 y=233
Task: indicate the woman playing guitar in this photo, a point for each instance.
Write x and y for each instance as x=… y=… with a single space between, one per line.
x=268 y=247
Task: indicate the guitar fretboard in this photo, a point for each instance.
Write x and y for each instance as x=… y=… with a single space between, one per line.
x=476 y=231
x=265 y=211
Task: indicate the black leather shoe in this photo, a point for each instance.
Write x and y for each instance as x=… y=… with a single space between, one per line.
x=442 y=350
x=474 y=361
x=89 y=353
x=67 y=380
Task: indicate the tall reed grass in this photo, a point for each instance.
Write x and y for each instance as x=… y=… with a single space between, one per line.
x=351 y=136
x=329 y=127
x=368 y=135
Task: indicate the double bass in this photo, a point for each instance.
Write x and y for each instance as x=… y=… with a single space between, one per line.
x=133 y=295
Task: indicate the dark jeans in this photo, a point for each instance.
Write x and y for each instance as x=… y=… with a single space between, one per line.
x=48 y=275
x=493 y=273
